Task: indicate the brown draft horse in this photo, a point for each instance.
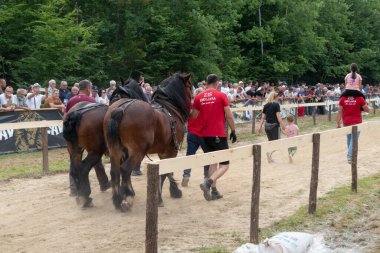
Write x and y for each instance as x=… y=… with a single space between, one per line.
x=134 y=129
x=83 y=130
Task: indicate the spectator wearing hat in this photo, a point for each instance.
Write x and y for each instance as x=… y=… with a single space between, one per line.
x=94 y=93
x=21 y=99
x=34 y=98
x=54 y=101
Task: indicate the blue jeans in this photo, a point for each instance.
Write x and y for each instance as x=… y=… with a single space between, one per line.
x=193 y=144
x=349 y=145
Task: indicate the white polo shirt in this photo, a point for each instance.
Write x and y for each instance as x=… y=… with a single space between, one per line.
x=4 y=101
x=34 y=102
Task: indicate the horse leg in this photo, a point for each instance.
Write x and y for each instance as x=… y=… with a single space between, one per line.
x=115 y=156
x=102 y=176
x=75 y=160
x=161 y=183
x=126 y=170
x=84 y=189
x=175 y=192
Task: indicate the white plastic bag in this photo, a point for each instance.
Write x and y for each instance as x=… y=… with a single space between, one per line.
x=287 y=242
x=290 y=242
x=247 y=248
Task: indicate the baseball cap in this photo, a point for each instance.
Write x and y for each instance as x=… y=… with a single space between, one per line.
x=95 y=88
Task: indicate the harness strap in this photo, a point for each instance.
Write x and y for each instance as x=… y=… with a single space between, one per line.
x=90 y=107
x=173 y=122
x=173 y=128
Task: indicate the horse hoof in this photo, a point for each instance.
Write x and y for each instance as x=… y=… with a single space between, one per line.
x=161 y=204
x=84 y=202
x=125 y=206
x=105 y=187
x=176 y=193
x=88 y=203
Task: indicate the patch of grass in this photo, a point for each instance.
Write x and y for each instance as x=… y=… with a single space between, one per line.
x=30 y=164
x=34 y=170
x=340 y=208
x=216 y=249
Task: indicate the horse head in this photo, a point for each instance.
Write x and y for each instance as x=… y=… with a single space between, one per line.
x=188 y=89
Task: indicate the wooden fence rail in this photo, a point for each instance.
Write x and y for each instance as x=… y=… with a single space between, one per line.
x=43 y=124
x=254 y=151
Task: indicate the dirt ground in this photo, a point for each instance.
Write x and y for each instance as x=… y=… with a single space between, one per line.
x=37 y=215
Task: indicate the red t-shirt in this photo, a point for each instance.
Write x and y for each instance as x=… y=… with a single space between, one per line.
x=194 y=126
x=210 y=104
x=78 y=98
x=352 y=114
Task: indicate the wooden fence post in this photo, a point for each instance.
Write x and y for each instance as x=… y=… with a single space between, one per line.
x=374 y=107
x=329 y=112
x=314 y=173
x=45 y=151
x=255 y=200
x=354 y=160
x=151 y=226
x=314 y=113
x=296 y=116
x=253 y=122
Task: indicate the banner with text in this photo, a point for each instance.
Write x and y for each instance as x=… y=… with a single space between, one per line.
x=24 y=140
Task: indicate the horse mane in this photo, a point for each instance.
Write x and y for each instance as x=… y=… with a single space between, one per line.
x=130 y=89
x=172 y=90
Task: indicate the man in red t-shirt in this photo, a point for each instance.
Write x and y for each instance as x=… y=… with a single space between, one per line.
x=194 y=141
x=214 y=108
x=350 y=110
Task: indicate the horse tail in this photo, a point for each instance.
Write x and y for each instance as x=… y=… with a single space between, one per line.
x=69 y=127
x=113 y=127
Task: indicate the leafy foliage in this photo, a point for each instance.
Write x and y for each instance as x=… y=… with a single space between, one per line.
x=298 y=40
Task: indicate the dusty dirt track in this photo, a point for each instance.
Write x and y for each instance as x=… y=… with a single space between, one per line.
x=37 y=215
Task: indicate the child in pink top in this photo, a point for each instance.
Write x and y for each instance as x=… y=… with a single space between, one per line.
x=291 y=130
x=353 y=80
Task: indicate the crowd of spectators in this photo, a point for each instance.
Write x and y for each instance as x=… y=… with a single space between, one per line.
x=239 y=94
x=33 y=97
x=242 y=94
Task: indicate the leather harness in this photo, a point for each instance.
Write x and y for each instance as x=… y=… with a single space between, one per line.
x=158 y=106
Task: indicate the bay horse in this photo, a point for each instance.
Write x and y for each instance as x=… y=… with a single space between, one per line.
x=134 y=129
x=83 y=130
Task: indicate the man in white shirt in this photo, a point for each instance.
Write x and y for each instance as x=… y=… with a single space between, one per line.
x=7 y=100
x=34 y=98
x=225 y=89
x=337 y=91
